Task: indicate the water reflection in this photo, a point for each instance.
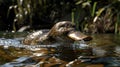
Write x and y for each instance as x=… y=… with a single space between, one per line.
x=97 y=51
x=106 y=45
x=102 y=51
x=117 y=51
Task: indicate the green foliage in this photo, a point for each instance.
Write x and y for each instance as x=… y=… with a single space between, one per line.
x=88 y=15
x=22 y=10
x=93 y=9
x=45 y=10
x=103 y=17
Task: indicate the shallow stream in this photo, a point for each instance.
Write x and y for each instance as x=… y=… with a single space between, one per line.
x=102 y=51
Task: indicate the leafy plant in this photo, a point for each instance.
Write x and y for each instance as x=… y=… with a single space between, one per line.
x=88 y=15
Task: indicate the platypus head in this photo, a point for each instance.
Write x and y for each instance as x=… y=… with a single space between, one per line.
x=63 y=32
x=67 y=29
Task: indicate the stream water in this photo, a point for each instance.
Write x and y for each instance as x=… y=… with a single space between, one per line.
x=102 y=51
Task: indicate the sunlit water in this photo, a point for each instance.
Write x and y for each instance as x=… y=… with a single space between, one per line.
x=103 y=50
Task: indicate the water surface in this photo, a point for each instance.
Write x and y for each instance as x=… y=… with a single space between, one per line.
x=104 y=52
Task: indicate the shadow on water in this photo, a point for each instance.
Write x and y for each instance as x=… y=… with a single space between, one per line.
x=102 y=51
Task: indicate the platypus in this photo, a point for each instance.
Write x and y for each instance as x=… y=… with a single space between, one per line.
x=61 y=32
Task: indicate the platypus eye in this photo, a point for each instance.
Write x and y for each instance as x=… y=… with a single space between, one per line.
x=73 y=26
x=62 y=26
x=67 y=25
x=70 y=25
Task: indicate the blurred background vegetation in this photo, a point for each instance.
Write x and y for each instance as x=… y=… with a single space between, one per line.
x=90 y=16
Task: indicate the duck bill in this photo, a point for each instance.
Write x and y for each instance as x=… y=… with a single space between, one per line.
x=77 y=36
